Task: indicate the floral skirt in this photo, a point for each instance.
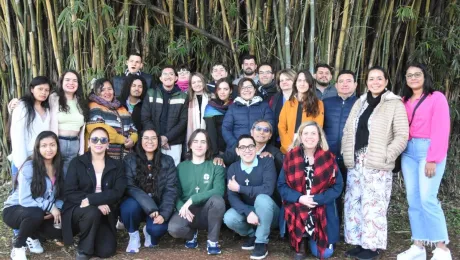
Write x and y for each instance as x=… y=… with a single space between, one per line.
x=367 y=197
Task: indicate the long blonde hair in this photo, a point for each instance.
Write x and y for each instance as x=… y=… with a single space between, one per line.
x=322 y=142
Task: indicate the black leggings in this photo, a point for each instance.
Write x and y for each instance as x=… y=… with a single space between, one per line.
x=31 y=223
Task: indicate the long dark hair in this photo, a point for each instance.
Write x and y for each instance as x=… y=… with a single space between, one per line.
x=81 y=100
x=310 y=102
x=126 y=90
x=427 y=84
x=142 y=169
x=208 y=154
x=385 y=75
x=38 y=184
x=220 y=81
x=29 y=100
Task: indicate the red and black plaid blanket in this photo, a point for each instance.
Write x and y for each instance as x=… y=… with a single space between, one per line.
x=295 y=213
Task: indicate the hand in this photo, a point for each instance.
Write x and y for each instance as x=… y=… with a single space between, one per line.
x=266 y=154
x=233 y=185
x=185 y=213
x=218 y=161
x=430 y=169
x=164 y=142
x=84 y=203
x=56 y=215
x=12 y=105
x=129 y=143
x=159 y=220
x=253 y=219
x=105 y=209
x=307 y=200
x=153 y=215
x=48 y=216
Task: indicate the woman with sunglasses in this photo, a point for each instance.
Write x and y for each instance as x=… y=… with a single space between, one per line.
x=33 y=208
x=93 y=186
x=151 y=192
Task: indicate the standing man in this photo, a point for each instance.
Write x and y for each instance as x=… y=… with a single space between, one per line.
x=165 y=109
x=134 y=65
x=266 y=86
x=131 y=97
x=251 y=182
x=249 y=67
x=219 y=71
x=336 y=111
x=323 y=76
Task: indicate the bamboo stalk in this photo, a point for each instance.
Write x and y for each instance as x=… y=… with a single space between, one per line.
x=302 y=36
x=171 y=27
x=54 y=39
x=145 y=43
x=33 y=54
x=338 y=59
x=227 y=28
x=75 y=38
x=40 y=40
x=312 y=34
x=287 y=39
x=187 y=34
x=278 y=37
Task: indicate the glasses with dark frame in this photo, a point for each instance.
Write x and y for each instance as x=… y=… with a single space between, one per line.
x=102 y=140
x=250 y=147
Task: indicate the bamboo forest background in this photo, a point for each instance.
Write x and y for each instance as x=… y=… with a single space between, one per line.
x=45 y=37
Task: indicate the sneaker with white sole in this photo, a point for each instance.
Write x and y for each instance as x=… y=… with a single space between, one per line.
x=134 y=243
x=34 y=245
x=120 y=225
x=413 y=253
x=440 y=254
x=18 y=253
x=192 y=243
x=148 y=239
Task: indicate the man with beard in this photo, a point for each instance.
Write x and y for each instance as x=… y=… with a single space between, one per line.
x=134 y=64
x=323 y=76
x=266 y=85
x=132 y=94
x=249 y=67
x=219 y=71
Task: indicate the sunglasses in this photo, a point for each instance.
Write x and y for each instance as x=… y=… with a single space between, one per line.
x=96 y=140
x=264 y=129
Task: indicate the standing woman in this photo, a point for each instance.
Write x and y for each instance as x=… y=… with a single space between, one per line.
x=302 y=100
x=33 y=208
x=30 y=117
x=93 y=186
x=198 y=96
x=374 y=135
x=423 y=163
x=151 y=192
x=309 y=184
x=214 y=115
x=69 y=111
x=107 y=112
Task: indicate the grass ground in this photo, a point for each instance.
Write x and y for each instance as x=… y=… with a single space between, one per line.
x=398 y=235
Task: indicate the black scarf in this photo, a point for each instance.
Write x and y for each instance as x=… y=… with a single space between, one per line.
x=362 y=132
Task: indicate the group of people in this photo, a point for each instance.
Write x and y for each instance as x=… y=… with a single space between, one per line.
x=287 y=150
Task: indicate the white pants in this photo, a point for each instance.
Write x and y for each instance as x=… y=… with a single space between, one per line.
x=175 y=152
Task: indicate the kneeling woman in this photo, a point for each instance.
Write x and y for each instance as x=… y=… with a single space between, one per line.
x=93 y=186
x=151 y=192
x=309 y=184
x=33 y=208
x=199 y=204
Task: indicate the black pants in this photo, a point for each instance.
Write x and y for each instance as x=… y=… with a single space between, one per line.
x=31 y=223
x=208 y=216
x=97 y=238
x=339 y=201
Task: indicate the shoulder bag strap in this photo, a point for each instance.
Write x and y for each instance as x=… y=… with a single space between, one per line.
x=415 y=109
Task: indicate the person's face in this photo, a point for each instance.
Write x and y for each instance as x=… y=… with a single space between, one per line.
x=323 y=76
x=246 y=150
x=48 y=148
x=106 y=92
x=301 y=83
x=249 y=67
x=346 y=85
x=197 y=85
x=415 y=78
x=70 y=83
x=41 y=92
x=265 y=74
x=134 y=63
x=168 y=77
x=247 y=91
x=199 y=145
x=184 y=75
x=223 y=91
x=150 y=141
x=136 y=88
x=286 y=82
x=261 y=133
x=98 y=142
x=310 y=137
x=376 y=82
x=218 y=72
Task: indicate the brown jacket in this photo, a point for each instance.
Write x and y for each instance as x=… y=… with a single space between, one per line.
x=388 y=133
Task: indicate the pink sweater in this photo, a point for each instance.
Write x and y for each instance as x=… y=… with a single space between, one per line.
x=432 y=121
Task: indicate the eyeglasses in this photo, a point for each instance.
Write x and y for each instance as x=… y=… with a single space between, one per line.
x=96 y=140
x=151 y=138
x=265 y=72
x=165 y=74
x=243 y=88
x=183 y=72
x=416 y=75
x=264 y=129
x=250 y=148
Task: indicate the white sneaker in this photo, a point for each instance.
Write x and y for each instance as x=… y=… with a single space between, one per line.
x=148 y=238
x=413 y=253
x=120 y=225
x=34 y=245
x=134 y=243
x=440 y=254
x=18 y=253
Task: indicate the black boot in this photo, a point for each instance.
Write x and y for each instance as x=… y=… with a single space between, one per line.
x=302 y=254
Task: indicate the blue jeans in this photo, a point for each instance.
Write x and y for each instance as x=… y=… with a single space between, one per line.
x=69 y=150
x=267 y=211
x=314 y=249
x=427 y=220
x=132 y=215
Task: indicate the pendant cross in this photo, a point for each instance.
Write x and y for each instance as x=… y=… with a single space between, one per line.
x=247 y=182
x=197 y=189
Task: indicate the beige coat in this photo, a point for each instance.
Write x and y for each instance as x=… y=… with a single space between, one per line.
x=388 y=133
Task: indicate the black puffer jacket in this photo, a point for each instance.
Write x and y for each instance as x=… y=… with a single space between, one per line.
x=167 y=186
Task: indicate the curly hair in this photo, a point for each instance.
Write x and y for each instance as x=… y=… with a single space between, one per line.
x=310 y=102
